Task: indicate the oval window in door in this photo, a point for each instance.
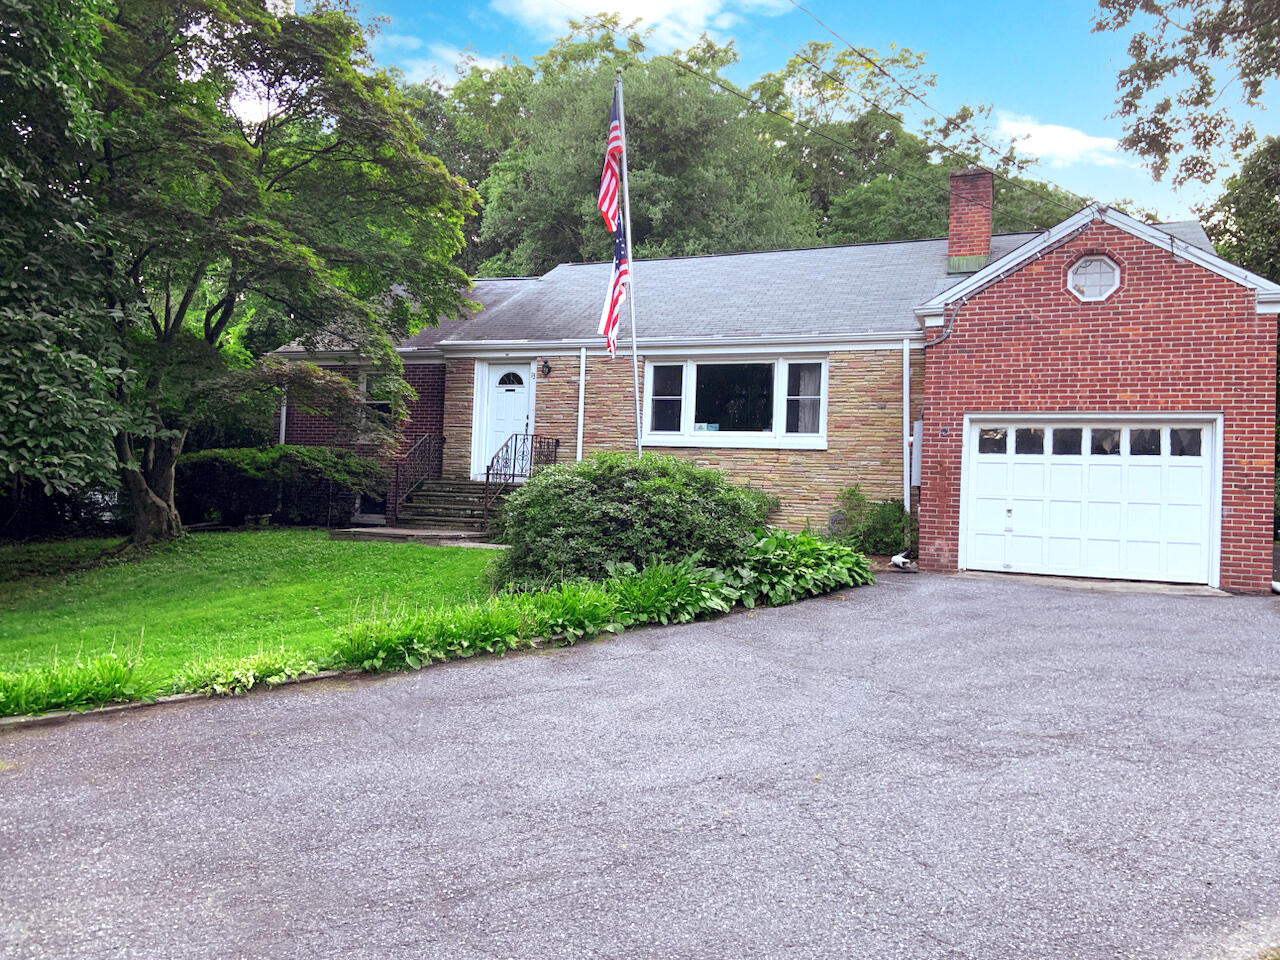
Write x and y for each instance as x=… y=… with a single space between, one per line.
x=510 y=379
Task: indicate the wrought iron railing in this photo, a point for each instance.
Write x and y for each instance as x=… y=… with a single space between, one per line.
x=520 y=457
x=424 y=460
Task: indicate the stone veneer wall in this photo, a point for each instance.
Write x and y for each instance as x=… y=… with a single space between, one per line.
x=864 y=428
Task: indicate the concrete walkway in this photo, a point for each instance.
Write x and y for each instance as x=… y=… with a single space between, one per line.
x=932 y=767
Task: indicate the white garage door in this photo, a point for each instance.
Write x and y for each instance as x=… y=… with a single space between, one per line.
x=1127 y=500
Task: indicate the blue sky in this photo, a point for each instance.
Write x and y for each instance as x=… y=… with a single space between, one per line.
x=1044 y=72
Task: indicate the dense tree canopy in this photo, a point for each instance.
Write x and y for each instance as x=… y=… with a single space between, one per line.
x=1176 y=92
x=1245 y=221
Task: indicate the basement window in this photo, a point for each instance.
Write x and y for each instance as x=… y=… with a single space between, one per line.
x=777 y=402
x=1093 y=278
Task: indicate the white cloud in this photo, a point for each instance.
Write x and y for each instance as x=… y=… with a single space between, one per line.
x=396 y=41
x=1058 y=146
x=676 y=23
x=442 y=63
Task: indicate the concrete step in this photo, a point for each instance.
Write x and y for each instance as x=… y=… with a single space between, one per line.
x=445 y=500
x=442 y=510
x=443 y=523
x=429 y=536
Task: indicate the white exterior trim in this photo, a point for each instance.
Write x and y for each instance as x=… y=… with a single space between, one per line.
x=777 y=439
x=1268 y=292
x=513 y=349
x=1085 y=418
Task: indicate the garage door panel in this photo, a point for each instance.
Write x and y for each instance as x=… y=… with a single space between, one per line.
x=991 y=478
x=1104 y=500
x=1106 y=481
x=1143 y=482
x=989 y=550
x=1186 y=484
x=1142 y=521
x=1066 y=480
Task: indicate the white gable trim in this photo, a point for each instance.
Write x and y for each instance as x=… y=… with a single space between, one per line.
x=1268 y=292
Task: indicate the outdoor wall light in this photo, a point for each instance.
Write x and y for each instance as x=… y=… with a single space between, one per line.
x=546 y=368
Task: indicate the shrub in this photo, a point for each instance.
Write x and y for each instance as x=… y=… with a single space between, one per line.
x=784 y=567
x=223 y=677
x=308 y=485
x=882 y=527
x=571 y=521
x=110 y=678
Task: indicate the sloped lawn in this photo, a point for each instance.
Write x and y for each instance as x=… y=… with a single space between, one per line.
x=214 y=595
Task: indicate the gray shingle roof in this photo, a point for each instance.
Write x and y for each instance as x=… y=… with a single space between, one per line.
x=488 y=293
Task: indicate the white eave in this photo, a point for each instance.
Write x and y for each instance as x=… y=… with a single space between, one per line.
x=863 y=341
x=931 y=312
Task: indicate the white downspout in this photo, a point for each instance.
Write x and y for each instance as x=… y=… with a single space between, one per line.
x=284 y=411
x=582 y=393
x=906 y=425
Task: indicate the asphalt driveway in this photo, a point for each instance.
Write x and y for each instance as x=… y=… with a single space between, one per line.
x=932 y=767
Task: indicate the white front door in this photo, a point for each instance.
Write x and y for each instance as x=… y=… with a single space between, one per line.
x=507 y=409
x=1131 y=500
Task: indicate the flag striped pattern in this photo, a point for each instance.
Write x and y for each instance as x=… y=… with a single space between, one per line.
x=611 y=176
x=612 y=311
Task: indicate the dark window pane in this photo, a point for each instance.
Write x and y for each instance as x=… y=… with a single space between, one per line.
x=1104 y=442
x=1028 y=440
x=667 y=381
x=1184 y=441
x=804 y=379
x=510 y=379
x=1144 y=443
x=734 y=396
x=1066 y=441
x=666 y=414
x=991 y=440
x=802 y=414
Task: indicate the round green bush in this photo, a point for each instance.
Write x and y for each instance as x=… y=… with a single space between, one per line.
x=569 y=521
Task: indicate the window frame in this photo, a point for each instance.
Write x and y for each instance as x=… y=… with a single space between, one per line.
x=1088 y=258
x=775 y=439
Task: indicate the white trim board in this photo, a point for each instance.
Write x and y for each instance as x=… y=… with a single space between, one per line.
x=1268 y=292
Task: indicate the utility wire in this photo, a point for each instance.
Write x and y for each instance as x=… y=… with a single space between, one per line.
x=880 y=68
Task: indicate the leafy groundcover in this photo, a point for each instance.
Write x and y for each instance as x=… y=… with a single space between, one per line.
x=779 y=568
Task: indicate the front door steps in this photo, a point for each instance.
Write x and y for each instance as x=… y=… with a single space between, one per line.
x=441 y=512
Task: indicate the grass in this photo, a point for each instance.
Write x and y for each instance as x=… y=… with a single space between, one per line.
x=211 y=596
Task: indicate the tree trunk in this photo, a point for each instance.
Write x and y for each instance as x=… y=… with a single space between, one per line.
x=150 y=486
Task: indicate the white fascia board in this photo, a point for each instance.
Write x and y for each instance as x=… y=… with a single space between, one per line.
x=682 y=347
x=409 y=358
x=1153 y=235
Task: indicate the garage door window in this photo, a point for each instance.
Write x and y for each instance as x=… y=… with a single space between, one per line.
x=1028 y=440
x=1104 y=443
x=1144 y=443
x=1066 y=441
x=1184 y=442
x=991 y=440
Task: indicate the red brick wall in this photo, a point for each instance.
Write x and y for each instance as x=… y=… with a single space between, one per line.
x=1174 y=337
x=969 y=220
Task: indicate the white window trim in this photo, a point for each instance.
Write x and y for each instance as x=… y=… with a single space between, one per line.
x=480 y=383
x=776 y=439
x=1088 y=258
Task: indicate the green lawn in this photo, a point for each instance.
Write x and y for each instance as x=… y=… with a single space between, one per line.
x=214 y=594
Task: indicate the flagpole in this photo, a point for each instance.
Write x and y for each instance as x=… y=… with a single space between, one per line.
x=631 y=262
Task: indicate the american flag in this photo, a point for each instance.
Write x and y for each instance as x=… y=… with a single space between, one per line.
x=612 y=311
x=611 y=176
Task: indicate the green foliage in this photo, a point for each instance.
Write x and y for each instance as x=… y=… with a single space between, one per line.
x=709 y=183
x=1184 y=56
x=79 y=685
x=784 y=567
x=882 y=528
x=1244 y=223
x=225 y=677
x=573 y=520
x=297 y=483
x=664 y=592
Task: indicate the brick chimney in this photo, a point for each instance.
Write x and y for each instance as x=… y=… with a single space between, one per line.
x=969 y=225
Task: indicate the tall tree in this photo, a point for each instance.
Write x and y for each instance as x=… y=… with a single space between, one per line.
x=58 y=370
x=1244 y=223
x=1172 y=94
x=255 y=173
x=702 y=181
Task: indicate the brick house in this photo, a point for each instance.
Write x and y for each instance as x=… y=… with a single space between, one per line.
x=1097 y=399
